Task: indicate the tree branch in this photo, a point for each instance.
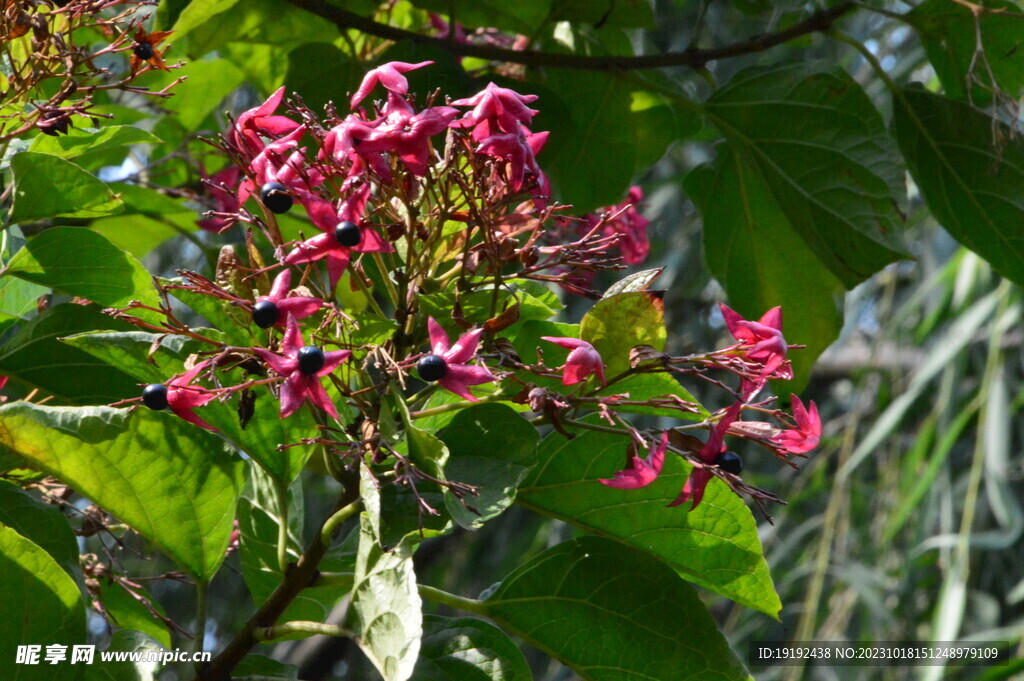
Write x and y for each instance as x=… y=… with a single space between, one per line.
x=298 y=577
x=694 y=58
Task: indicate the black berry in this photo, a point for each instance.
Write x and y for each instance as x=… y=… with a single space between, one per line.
x=432 y=368
x=154 y=396
x=348 y=234
x=311 y=360
x=730 y=462
x=265 y=314
x=276 y=198
x=143 y=51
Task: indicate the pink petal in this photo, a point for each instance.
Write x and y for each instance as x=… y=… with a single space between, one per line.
x=580 y=363
x=570 y=343
x=283 y=366
x=292 y=338
x=299 y=307
x=318 y=396
x=641 y=472
x=311 y=250
x=464 y=348
x=715 y=444
x=332 y=360
x=294 y=392
x=439 y=342
x=735 y=324
x=773 y=318
x=460 y=376
x=192 y=417
x=282 y=284
x=373 y=243
x=694 y=488
x=277 y=125
x=268 y=107
x=337 y=261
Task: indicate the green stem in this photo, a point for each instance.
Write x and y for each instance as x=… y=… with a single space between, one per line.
x=455 y=406
x=301 y=627
x=386 y=278
x=281 y=492
x=332 y=523
x=365 y=290
x=458 y=602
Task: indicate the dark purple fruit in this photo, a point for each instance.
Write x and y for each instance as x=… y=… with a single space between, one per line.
x=265 y=314
x=432 y=368
x=154 y=396
x=276 y=198
x=730 y=462
x=143 y=51
x=348 y=234
x=311 y=360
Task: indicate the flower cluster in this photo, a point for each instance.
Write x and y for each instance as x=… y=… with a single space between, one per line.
x=435 y=239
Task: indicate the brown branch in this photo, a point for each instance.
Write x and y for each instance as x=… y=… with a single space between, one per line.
x=694 y=58
x=299 y=576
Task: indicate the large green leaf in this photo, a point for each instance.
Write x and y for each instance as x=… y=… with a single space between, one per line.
x=612 y=613
x=169 y=480
x=617 y=324
x=80 y=142
x=468 y=649
x=47 y=186
x=209 y=82
x=209 y=25
x=39 y=605
x=126 y=612
x=43 y=524
x=825 y=157
x=386 y=607
x=715 y=545
x=653 y=385
x=148 y=357
x=492 y=447
x=35 y=355
x=952 y=35
x=320 y=73
x=590 y=128
x=974 y=188
x=82 y=263
x=756 y=253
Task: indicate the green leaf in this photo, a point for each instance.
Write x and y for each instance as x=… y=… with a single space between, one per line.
x=715 y=546
x=621 y=13
x=638 y=281
x=150 y=219
x=81 y=262
x=262 y=668
x=468 y=649
x=35 y=355
x=198 y=13
x=130 y=352
x=591 y=129
x=209 y=82
x=129 y=642
x=617 y=324
x=43 y=524
x=169 y=480
x=320 y=73
x=951 y=34
x=19 y=298
x=825 y=157
x=47 y=186
x=758 y=256
x=213 y=24
x=491 y=447
x=80 y=142
x=219 y=313
x=646 y=386
x=127 y=613
x=974 y=190
x=386 y=607
x=39 y=605
x=612 y=613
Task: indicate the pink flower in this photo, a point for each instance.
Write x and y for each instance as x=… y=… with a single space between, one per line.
x=332 y=245
x=581 y=362
x=298 y=307
x=448 y=364
x=807 y=434
x=390 y=76
x=261 y=121
x=496 y=110
x=632 y=226
x=764 y=337
x=641 y=472
x=303 y=366
x=519 y=149
x=182 y=398
x=699 y=477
